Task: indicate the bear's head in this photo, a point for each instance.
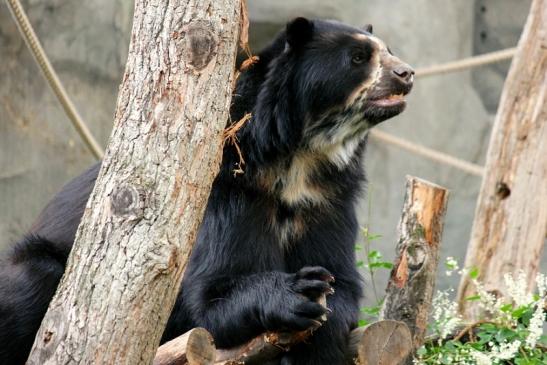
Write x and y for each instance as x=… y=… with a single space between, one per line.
x=319 y=87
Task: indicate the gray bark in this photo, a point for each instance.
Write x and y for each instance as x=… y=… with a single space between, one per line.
x=131 y=248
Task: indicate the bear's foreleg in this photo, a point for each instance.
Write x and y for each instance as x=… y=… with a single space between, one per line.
x=253 y=304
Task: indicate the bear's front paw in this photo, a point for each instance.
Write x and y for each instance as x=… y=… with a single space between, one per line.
x=294 y=306
x=313 y=281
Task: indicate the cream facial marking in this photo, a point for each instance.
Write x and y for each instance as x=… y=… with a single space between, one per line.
x=361 y=92
x=340 y=143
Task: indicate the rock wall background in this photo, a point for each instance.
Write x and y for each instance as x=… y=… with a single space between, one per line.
x=87 y=43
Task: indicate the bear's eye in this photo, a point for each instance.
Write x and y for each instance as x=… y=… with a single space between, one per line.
x=358 y=58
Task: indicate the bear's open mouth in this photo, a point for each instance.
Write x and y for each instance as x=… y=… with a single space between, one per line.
x=391 y=100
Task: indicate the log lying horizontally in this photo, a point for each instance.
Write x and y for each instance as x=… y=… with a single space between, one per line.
x=195 y=347
x=383 y=342
x=410 y=288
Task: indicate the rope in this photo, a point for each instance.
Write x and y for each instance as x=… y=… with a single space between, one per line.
x=53 y=80
x=465 y=63
x=429 y=153
x=49 y=73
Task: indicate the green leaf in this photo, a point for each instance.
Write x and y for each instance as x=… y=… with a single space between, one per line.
x=421 y=351
x=474 y=273
x=381 y=265
x=473 y=298
x=520 y=311
x=505 y=335
x=358 y=247
x=372 y=311
x=360 y=263
x=362 y=323
x=484 y=337
x=374 y=255
x=506 y=308
x=372 y=237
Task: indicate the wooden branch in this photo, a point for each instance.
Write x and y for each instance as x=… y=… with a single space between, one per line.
x=412 y=281
x=131 y=248
x=195 y=347
x=383 y=342
x=510 y=223
x=266 y=346
x=261 y=349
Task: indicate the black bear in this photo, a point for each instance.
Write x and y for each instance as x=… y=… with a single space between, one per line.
x=273 y=238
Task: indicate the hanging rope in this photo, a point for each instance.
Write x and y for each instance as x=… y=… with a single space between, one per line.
x=53 y=80
x=49 y=73
x=466 y=63
x=428 y=153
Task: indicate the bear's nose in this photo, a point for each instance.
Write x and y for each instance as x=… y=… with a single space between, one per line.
x=405 y=73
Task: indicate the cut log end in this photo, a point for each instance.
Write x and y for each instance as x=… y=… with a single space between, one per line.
x=383 y=342
x=195 y=347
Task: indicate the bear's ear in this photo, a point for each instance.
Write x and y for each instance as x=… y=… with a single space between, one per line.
x=299 y=32
x=367 y=28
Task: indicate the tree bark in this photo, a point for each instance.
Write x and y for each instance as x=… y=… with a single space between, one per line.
x=412 y=282
x=132 y=245
x=510 y=224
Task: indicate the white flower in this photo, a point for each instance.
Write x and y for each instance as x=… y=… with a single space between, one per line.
x=536 y=325
x=541 y=282
x=481 y=358
x=488 y=302
x=445 y=314
x=451 y=265
x=506 y=351
x=517 y=288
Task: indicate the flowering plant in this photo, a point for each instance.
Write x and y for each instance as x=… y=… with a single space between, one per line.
x=510 y=330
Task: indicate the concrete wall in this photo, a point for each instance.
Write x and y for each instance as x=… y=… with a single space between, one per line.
x=39 y=149
x=87 y=43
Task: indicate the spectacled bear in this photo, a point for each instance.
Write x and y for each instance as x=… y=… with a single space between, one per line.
x=273 y=238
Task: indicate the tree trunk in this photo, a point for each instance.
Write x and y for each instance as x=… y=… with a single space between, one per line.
x=510 y=224
x=131 y=248
x=412 y=282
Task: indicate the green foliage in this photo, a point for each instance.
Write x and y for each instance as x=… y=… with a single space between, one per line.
x=512 y=334
x=372 y=264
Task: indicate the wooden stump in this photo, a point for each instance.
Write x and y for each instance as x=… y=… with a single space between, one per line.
x=412 y=282
x=381 y=343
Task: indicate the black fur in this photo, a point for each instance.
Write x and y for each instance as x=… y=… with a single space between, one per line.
x=273 y=238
